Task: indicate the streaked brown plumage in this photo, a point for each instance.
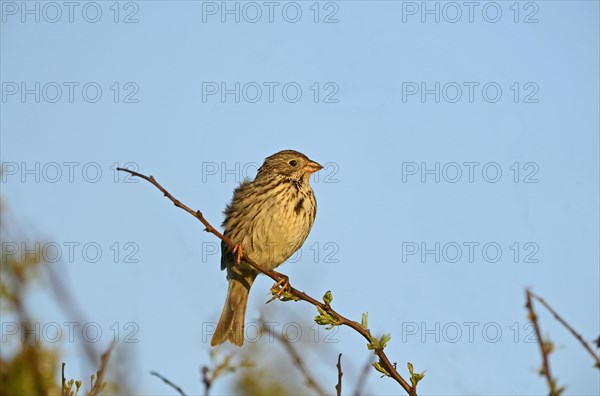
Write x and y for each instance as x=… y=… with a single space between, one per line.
x=271 y=218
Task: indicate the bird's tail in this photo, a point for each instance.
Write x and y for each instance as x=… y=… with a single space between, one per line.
x=231 y=323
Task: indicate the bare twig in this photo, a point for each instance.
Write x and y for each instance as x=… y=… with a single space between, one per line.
x=166 y=381
x=582 y=341
x=338 y=387
x=64 y=381
x=544 y=348
x=276 y=276
x=299 y=363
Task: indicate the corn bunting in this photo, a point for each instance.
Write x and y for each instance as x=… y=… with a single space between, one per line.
x=270 y=218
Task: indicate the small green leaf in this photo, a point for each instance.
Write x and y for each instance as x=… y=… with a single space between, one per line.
x=414 y=377
x=379 y=367
x=373 y=344
x=384 y=340
x=326 y=319
x=287 y=296
x=328 y=297
x=364 y=320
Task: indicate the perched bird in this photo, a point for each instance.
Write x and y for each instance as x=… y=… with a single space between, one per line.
x=270 y=218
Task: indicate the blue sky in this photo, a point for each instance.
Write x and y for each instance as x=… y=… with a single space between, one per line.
x=461 y=166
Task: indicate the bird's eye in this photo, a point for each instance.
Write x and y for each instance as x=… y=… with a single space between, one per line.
x=293 y=163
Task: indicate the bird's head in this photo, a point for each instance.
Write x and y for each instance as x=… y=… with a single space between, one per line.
x=289 y=164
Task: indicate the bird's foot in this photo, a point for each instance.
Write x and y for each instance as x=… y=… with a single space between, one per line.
x=238 y=249
x=281 y=287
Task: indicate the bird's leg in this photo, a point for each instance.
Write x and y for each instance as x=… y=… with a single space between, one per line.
x=282 y=286
x=239 y=250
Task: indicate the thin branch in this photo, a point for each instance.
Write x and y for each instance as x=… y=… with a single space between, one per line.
x=276 y=276
x=166 y=381
x=64 y=380
x=310 y=381
x=571 y=329
x=543 y=349
x=206 y=380
x=338 y=387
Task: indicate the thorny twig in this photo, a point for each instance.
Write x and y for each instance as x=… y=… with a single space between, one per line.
x=276 y=276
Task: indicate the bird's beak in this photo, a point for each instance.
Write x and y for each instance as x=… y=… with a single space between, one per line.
x=312 y=167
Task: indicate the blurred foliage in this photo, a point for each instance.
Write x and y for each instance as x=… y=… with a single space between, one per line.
x=276 y=371
x=220 y=367
x=28 y=366
x=272 y=372
x=31 y=370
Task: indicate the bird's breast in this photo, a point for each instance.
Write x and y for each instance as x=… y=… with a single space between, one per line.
x=278 y=225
